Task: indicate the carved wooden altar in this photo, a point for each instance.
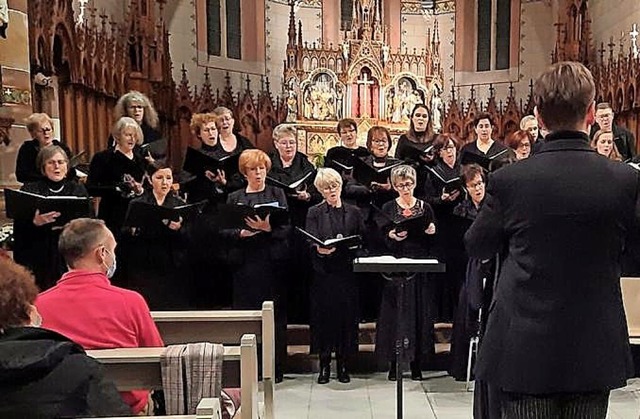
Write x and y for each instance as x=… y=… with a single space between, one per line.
x=360 y=78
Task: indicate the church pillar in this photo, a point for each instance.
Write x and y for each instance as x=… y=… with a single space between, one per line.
x=331 y=18
x=15 y=90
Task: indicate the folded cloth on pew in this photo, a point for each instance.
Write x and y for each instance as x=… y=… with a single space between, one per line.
x=189 y=373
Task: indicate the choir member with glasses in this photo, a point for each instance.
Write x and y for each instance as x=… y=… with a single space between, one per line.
x=443 y=192
x=334 y=288
x=520 y=142
x=36 y=239
x=624 y=139
x=40 y=126
x=348 y=150
x=290 y=165
x=136 y=105
x=229 y=142
x=417 y=325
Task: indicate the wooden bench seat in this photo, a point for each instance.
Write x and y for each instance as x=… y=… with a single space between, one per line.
x=139 y=368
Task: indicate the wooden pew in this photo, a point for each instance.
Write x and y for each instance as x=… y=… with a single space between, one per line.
x=208 y=408
x=139 y=368
x=226 y=327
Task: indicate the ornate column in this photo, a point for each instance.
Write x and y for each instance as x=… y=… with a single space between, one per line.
x=15 y=84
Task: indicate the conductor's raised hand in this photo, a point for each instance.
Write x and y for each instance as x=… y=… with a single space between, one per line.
x=398 y=236
x=46 y=218
x=325 y=250
x=258 y=223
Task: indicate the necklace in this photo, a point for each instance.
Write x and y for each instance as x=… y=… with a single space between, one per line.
x=57 y=190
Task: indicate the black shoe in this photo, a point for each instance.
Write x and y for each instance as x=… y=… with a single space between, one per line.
x=325 y=370
x=343 y=374
x=392 y=372
x=278 y=377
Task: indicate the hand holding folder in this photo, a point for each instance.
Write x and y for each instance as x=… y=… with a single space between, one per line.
x=366 y=174
x=198 y=163
x=24 y=205
x=146 y=215
x=344 y=242
x=413 y=226
x=250 y=217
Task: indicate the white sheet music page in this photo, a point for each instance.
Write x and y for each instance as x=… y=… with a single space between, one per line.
x=388 y=259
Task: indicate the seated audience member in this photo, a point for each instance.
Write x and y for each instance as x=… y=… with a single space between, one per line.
x=603 y=143
x=85 y=306
x=40 y=127
x=42 y=373
x=520 y=142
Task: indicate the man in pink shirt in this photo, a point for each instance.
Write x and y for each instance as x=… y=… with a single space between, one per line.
x=87 y=309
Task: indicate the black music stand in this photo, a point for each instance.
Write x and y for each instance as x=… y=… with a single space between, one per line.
x=399 y=271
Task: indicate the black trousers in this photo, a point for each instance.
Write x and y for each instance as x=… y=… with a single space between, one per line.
x=555 y=406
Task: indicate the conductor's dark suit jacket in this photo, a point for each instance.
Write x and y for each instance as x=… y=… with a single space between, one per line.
x=557 y=322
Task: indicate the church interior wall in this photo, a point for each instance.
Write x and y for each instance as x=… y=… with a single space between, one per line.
x=616 y=22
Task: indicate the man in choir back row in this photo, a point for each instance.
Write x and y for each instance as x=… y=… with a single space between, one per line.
x=556 y=341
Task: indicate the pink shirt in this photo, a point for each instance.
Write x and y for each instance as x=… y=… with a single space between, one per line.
x=87 y=309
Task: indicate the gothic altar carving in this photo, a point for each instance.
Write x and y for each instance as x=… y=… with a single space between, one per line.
x=361 y=78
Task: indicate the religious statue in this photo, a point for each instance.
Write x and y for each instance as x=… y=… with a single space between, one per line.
x=292 y=107
x=436 y=110
x=345 y=50
x=385 y=54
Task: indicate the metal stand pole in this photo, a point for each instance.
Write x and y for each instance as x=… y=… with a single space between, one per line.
x=399 y=346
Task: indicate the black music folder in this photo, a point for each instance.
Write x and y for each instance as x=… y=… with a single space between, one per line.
x=348 y=241
x=483 y=161
x=294 y=187
x=413 y=225
x=23 y=205
x=415 y=152
x=146 y=215
x=449 y=185
x=197 y=163
x=157 y=149
x=339 y=166
x=364 y=173
x=234 y=215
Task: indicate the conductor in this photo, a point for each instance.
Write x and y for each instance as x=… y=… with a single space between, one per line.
x=556 y=341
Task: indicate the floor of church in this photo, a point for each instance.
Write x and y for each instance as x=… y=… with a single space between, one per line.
x=371 y=396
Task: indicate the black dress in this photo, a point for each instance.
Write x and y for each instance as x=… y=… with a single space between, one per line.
x=360 y=195
x=235 y=181
x=26 y=167
x=298 y=267
x=106 y=180
x=417 y=325
x=157 y=267
x=258 y=262
x=345 y=156
x=334 y=288
x=37 y=247
x=448 y=244
x=472 y=147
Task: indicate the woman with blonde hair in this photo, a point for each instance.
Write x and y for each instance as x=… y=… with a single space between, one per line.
x=40 y=126
x=334 y=288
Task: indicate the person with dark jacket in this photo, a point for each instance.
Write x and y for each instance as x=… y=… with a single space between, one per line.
x=40 y=127
x=556 y=340
x=42 y=373
x=622 y=137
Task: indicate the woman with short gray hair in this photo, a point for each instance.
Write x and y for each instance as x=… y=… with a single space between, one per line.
x=412 y=243
x=334 y=288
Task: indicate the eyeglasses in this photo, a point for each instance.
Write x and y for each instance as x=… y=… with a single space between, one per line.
x=475 y=185
x=524 y=145
x=379 y=141
x=406 y=185
x=135 y=107
x=331 y=187
x=45 y=130
x=286 y=143
x=56 y=162
x=449 y=147
x=605 y=115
